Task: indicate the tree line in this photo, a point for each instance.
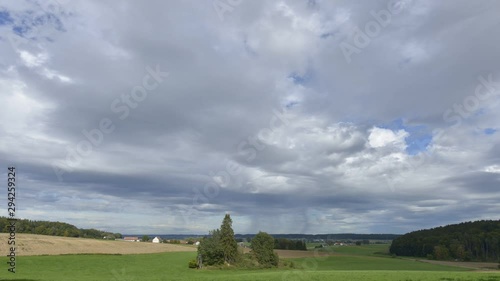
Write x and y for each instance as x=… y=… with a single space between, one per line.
x=286 y=244
x=55 y=229
x=468 y=241
x=328 y=237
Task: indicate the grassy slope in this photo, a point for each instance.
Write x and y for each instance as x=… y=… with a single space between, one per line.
x=173 y=266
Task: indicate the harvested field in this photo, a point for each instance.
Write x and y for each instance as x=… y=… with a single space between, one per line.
x=33 y=245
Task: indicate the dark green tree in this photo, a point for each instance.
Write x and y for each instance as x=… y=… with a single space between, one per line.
x=145 y=238
x=441 y=253
x=210 y=249
x=262 y=248
x=228 y=243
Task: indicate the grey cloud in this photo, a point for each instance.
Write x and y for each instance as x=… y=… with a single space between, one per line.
x=226 y=80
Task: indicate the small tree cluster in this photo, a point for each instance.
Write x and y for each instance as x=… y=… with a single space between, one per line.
x=262 y=248
x=210 y=249
x=220 y=246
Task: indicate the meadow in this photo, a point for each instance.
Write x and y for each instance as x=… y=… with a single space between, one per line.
x=353 y=264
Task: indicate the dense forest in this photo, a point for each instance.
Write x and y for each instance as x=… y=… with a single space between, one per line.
x=55 y=229
x=468 y=241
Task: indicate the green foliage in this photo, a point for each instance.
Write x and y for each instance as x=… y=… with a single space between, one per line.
x=469 y=241
x=262 y=247
x=193 y=264
x=287 y=244
x=227 y=241
x=441 y=253
x=55 y=229
x=289 y=264
x=211 y=250
x=145 y=238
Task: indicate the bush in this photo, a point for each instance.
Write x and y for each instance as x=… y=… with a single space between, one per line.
x=289 y=264
x=193 y=264
x=262 y=247
x=211 y=250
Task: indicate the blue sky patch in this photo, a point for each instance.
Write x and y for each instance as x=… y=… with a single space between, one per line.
x=489 y=131
x=300 y=79
x=33 y=20
x=5 y=18
x=291 y=104
x=419 y=139
x=20 y=30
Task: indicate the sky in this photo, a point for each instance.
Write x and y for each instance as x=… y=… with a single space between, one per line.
x=293 y=116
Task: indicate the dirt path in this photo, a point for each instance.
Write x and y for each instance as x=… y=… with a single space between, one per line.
x=32 y=245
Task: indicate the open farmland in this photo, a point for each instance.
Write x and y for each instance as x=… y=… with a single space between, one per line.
x=155 y=262
x=32 y=245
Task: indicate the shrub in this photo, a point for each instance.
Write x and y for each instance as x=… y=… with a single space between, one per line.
x=211 y=250
x=262 y=247
x=193 y=264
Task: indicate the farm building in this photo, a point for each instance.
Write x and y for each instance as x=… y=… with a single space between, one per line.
x=131 y=239
x=156 y=240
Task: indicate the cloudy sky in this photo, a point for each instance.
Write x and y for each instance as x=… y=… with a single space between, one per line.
x=293 y=116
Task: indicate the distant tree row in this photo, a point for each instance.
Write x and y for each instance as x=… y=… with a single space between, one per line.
x=286 y=244
x=328 y=237
x=469 y=241
x=55 y=229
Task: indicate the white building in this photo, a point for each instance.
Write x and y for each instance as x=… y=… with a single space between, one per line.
x=156 y=240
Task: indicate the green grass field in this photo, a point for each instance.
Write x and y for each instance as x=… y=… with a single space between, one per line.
x=372 y=249
x=357 y=264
